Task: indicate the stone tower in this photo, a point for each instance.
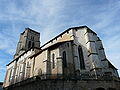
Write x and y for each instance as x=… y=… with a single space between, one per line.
x=28 y=39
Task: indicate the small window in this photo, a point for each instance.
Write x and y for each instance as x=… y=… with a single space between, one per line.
x=29 y=44
x=10 y=75
x=81 y=58
x=68 y=44
x=33 y=44
x=28 y=70
x=64 y=59
x=20 y=68
x=19 y=72
x=53 y=60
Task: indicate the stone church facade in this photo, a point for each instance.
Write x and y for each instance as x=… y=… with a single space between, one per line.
x=73 y=60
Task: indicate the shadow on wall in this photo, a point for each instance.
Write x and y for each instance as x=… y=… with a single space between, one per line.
x=100 y=88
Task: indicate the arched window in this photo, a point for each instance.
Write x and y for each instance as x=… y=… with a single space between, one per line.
x=33 y=38
x=64 y=59
x=28 y=69
x=29 y=44
x=33 y=44
x=10 y=75
x=81 y=58
x=53 y=60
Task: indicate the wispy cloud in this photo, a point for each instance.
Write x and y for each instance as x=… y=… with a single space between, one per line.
x=108 y=15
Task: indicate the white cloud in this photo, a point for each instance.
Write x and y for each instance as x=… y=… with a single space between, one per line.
x=38 y=12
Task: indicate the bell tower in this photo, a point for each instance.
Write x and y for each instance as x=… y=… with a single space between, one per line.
x=28 y=39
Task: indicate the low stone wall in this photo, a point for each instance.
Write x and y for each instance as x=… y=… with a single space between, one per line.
x=36 y=84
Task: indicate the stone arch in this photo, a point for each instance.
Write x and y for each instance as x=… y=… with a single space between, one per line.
x=33 y=44
x=81 y=57
x=64 y=59
x=39 y=71
x=29 y=44
x=53 y=60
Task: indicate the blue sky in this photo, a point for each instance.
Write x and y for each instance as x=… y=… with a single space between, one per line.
x=50 y=17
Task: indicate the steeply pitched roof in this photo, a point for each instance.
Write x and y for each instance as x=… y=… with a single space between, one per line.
x=63 y=33
x=56 y=44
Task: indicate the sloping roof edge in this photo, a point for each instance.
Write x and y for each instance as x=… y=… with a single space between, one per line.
x=23 y=54
x=49 y=47
x=112 y=65
x=63 y=33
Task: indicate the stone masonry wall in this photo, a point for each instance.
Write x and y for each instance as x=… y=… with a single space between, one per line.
x=66 y=85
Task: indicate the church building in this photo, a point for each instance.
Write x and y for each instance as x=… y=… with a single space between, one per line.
x=73 y=60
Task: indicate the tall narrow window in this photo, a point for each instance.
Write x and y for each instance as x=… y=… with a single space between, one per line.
x=81 y=58
x=64 y=59
x=33 y=44
x=17 y=72
x=28 y=69
x=29 y=44
x=53 y=60
x=10 y=75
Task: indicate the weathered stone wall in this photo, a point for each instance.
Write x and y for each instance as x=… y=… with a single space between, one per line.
x=66 y=85
x=40 y=64
x=93 y=55
x=16 y=70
